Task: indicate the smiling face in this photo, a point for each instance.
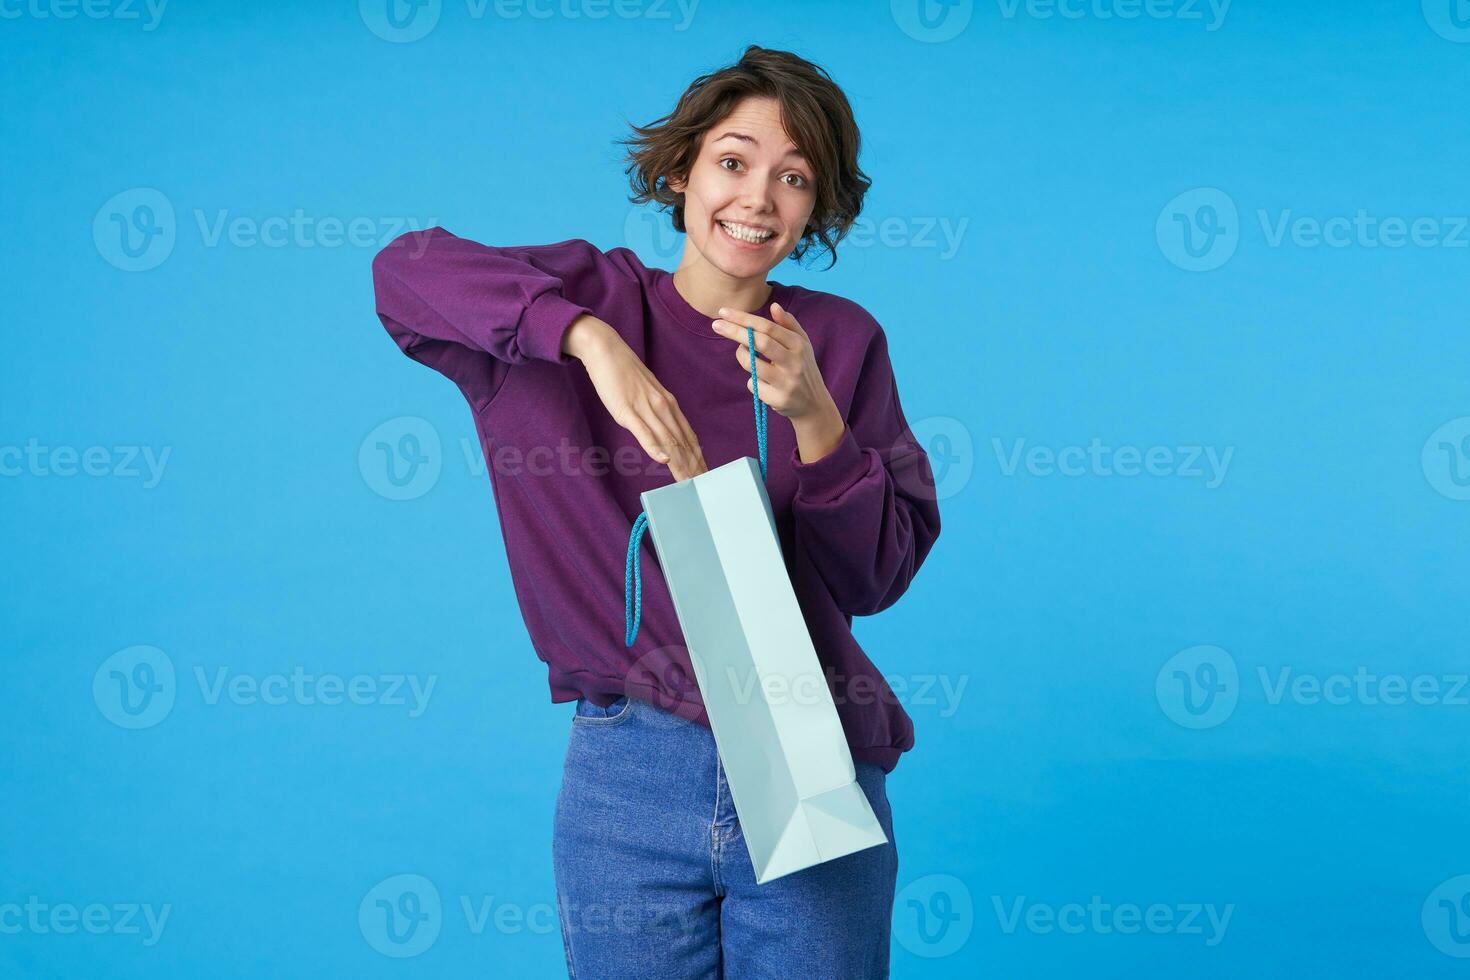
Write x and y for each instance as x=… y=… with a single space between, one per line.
x=749 y=195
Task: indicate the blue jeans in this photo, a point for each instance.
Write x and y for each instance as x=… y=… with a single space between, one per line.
x=653 y=878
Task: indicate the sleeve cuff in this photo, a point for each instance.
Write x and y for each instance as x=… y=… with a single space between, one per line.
x=829 y=477
x=544 y=324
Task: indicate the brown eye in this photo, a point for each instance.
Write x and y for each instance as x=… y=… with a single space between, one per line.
x=729 y=160
x=800 y=180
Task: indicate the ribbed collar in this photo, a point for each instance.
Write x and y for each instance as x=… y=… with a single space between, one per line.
x=695 y=322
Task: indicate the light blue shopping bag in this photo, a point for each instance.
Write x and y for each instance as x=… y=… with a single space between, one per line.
x=775 y=725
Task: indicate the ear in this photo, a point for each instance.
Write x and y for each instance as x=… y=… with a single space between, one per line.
x=676 y=184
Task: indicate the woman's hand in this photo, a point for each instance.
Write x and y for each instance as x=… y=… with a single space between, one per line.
x=790 y=382
x=634 y=397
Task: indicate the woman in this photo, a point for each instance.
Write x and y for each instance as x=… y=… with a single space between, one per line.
x=593 y=378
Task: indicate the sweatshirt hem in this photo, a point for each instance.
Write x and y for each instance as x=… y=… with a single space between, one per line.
x=884 y=756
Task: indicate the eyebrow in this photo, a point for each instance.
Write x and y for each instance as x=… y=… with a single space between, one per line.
x=751 y=139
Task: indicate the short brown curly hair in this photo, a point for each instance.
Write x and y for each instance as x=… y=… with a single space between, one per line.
x=817 y=118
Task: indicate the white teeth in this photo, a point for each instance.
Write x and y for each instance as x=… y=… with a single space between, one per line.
x=746 y=233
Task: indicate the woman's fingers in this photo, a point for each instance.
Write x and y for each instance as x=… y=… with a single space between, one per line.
x=676 y=434
x=661 y=429
x=637 y=402
x=696 y=454
x=765 y=371
x=669 y=444
x=784 y=329
x=764 y=343
x=644 y=433
x=777 y=338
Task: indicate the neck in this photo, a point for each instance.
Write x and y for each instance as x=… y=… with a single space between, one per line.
x=707 y=289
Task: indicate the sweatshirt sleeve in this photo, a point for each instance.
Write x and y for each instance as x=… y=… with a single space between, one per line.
x=448 y=302
x=866 y=513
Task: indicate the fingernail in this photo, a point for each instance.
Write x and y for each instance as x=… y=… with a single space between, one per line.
x=724 y=310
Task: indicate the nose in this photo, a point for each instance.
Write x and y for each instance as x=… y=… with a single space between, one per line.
x=755 y=193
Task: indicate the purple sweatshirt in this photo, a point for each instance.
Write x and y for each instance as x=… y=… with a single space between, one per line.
x=854 y=525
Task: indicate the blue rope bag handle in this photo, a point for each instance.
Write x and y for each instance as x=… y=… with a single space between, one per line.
x=632 y=572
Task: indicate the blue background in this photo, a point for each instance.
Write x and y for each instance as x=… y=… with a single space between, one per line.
x=1076 y=763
